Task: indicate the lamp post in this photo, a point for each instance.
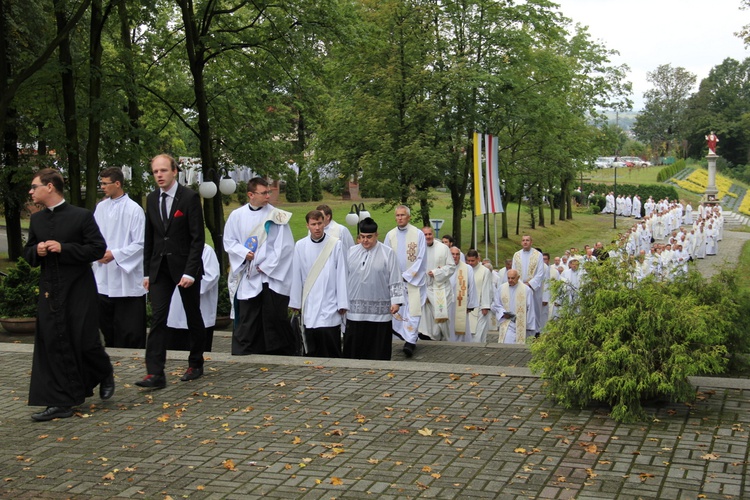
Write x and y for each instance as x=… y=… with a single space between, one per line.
x=614 y=194
x=208 y=189
x=356 y=214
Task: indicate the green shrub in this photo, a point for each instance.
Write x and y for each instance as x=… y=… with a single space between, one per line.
x=19 y=291
x=292 y=187
x=316 y=187
x=625 y=342
x=594 y=209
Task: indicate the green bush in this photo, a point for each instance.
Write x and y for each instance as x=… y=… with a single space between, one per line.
x=19 y=291
x=670 y=171
x=594 y=209
x=625 y=342
x=316 y=187
x=292 y=187
x=305 y=186
x=241 y=192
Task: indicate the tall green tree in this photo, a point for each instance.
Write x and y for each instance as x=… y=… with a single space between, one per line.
x=722 y=104
x=662 y=123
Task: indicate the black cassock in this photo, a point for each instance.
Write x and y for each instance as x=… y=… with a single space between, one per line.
x=69 y=359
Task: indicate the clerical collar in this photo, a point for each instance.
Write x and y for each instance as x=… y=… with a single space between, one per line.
x=119 y=198
x=53 y=207
x=252 y=208
x=402 y=228
x=320 y=240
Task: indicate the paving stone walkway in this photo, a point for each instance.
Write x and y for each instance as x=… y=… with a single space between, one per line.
x=467 y=427
x=455 y=421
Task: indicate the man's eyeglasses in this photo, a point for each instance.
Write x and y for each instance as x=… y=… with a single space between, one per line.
x=262 y=193
x=34 y=187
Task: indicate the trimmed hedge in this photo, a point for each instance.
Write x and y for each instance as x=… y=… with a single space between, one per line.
x=670 y=171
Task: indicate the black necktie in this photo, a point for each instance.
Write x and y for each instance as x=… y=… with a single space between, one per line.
x=164 y=216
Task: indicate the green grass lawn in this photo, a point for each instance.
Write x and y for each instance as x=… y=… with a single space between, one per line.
x=645 y=175
x=583 y=229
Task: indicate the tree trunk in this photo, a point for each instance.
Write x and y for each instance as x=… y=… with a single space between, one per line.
x=540 y=200
x=12 y=186
x=136 y=188
x=95 y=93
x=563 y=195
x=518 y=212
x=70 y=120
x=212 y=207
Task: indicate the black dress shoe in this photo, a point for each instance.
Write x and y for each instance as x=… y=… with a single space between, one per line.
x=53 y=412
x=107 y=387
x=409 y=349
x=192 y=374
x=153 y=382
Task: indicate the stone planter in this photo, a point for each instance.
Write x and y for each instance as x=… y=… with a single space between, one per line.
x=19 y=326
x=222 y=322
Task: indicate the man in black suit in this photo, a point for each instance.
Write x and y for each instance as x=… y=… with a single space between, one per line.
x=173 y=247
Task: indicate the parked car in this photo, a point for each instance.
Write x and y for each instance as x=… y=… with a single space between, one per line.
x=637 y=162
x=603 y=162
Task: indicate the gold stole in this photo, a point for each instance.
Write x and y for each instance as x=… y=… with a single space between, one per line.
x=520 y=311
x=462 y=291
x=533 y=262
x=412 y=246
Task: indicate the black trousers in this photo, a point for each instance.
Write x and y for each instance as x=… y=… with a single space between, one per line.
x=323 y=342
x=263 y=326
x=161 y=291
x=122 y=321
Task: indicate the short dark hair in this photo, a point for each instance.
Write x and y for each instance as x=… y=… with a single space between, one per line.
x=449 y=238
x=546 y=254
x=114 y=174
x=472 y=253
x=325 y=209
x=253 y=184
x=314 y=215
x=51 y=176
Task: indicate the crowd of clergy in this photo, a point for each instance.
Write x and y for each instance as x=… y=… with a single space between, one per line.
x=354 y=298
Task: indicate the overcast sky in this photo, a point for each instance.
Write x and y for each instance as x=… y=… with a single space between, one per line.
x=696 y=35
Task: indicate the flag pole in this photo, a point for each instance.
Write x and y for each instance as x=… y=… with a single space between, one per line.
x=494 y=217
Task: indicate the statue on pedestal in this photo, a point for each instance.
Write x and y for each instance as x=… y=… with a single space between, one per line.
x=711 y=139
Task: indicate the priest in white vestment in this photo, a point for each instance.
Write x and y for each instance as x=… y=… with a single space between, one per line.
x=119 y=274
x=514 y=309
x=530 y=266
x=177 y=319
x=335 y=229
x=572 y=279
x=319 y=288
x=435 y=323
x=479 y=318
x=464 y=291
x=409 y=245
x=548 y=305
x=260 y=246
x=376 y=293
